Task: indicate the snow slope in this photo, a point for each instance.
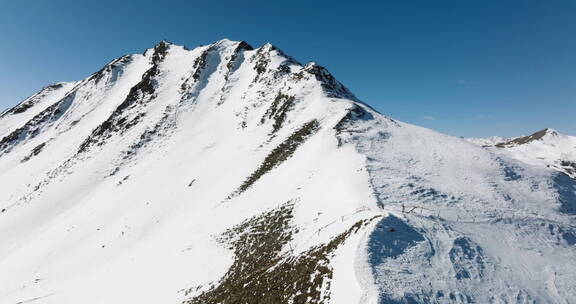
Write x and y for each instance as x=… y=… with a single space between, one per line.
x=227 y=174
x=488 y=141
x=545 y=148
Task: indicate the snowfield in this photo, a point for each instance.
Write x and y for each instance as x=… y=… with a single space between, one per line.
x=227 y=174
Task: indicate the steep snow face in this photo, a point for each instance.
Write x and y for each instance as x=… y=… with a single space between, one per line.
x=545 y=148
x=227 y=173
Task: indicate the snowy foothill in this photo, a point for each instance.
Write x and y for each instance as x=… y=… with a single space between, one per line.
x=545 y=148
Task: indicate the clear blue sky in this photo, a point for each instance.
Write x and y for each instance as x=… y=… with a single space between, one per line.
x=470 y=68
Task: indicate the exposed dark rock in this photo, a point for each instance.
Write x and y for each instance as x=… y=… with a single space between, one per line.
x=55 y=86
x=34 y=152
x=160 y=52
x=526 y=139
x=278 y=110
x=281 y=153
x=141 y=93
x=33 y=126
x=353 y=114
x=161 y=128
x=193 y=81
x=569 y=167
x=242 y=46
x=200 y=64
x=283 y=69
x=261 y=59
x=32 y=100
x=262 y=274
x=111 y=66
x=331 y=86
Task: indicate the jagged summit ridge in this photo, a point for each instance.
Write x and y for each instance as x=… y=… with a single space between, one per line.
x=228 y=173
x=223 y=50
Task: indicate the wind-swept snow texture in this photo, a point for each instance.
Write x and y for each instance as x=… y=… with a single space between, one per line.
x=227 y=174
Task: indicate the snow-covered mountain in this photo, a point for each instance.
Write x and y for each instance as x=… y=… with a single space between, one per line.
x=545 y=148
x=227 y=174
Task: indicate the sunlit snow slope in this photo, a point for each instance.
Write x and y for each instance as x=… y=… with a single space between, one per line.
x=227 y=174
x=545 y=148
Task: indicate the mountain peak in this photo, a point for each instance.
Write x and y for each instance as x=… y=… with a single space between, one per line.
x=545 y=148
x=268 y=47
x=539 y=135
x=550 y=131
